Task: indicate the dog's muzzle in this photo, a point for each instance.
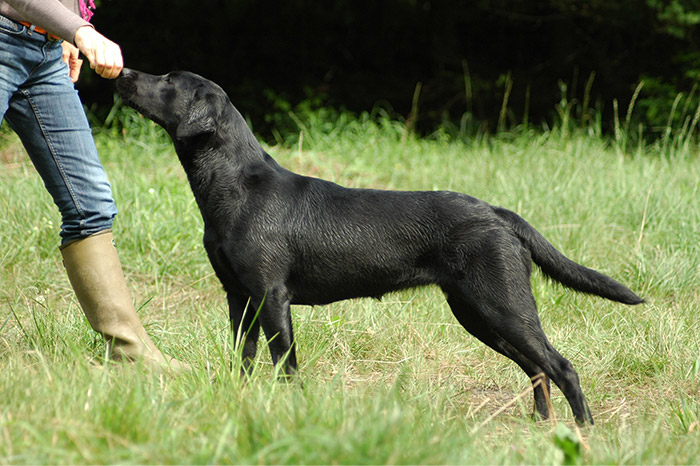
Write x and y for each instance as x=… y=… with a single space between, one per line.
x=126 y=83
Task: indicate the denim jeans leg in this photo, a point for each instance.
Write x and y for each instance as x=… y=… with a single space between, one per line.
x=48 y=116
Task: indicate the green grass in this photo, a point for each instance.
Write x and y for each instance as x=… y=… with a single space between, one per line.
x=391 y=381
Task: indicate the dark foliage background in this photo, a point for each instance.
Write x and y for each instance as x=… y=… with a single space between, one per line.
x=450 y=61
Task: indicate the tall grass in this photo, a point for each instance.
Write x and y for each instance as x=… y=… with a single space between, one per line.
x=391 y=381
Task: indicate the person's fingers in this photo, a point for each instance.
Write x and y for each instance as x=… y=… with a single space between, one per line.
x=75 y=65
x=109 y=60
x=113 y=62
x=98 y=63
x=66 y=52
x=71 y=58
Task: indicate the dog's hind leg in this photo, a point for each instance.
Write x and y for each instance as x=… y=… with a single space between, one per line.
x=510 y=312
x=245 y=326
x=473 y=323
x=495 y=283
x=276 y=320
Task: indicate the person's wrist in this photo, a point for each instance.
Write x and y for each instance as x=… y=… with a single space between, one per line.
x=80 y=33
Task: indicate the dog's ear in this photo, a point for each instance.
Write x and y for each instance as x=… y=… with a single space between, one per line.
x=200 y=119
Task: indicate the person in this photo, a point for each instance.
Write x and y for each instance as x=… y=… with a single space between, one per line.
x=40 y=43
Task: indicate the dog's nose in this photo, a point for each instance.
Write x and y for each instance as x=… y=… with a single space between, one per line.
x=126 y=72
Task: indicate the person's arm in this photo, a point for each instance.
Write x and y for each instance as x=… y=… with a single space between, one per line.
x=50 y=15
x=105 y=56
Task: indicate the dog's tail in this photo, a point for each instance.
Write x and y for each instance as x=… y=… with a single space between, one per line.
x=562 y=269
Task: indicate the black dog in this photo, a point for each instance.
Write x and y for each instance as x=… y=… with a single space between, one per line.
x=277 y=238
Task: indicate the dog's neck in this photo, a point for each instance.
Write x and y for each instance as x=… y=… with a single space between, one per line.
x=243 y=148
x=214 y=172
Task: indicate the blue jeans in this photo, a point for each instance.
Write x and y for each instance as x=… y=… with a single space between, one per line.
x=40 y=103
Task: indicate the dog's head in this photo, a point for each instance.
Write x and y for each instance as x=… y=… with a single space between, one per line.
x=185 y=104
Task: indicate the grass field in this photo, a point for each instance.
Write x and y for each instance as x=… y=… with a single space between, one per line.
x=391 y=381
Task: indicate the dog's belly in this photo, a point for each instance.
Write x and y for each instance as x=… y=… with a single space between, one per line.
x=326 y=285
x=320 y=295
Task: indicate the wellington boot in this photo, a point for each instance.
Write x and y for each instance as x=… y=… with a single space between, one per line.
x=97 y=278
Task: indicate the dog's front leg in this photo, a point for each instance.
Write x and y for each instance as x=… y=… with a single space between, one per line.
x=276 y=321
x=245 y=326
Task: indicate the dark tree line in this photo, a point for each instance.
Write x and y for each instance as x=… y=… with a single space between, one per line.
x=443 y=58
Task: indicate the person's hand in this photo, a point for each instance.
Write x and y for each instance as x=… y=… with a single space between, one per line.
x=105 y=56
x=71 y=58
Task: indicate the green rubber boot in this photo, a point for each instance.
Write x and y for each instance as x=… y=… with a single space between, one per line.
x=97 y=278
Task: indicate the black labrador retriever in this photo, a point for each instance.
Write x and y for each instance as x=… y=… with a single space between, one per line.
x=276 y=238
